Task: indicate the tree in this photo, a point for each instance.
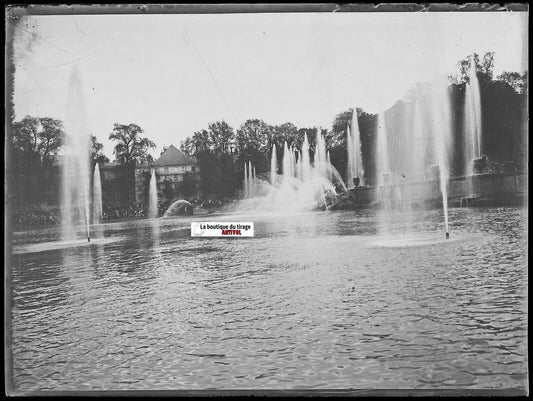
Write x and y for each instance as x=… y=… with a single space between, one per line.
x=35 y=141
x=198 y=144
x=286 y=132
x=487 y=65
x=484 y=68
x=97 y=156
x=187 y=147
x=131 y=148
x=41 y=135
x=222 y=137
x=253 y=135
x=515 y=80
x=253 y=143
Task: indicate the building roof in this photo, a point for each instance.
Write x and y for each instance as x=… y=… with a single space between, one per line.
x=173 y=157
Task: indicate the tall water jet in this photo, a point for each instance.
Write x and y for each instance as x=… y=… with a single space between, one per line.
x=246 y=190
x=441 y=128
x=355 y=156
x=382 y=152
x=306 y=161
x=273 y=166
x=293 y=161
x=300 y=184
x=152 y=196
x=350 y=163
x=287 y=164
x=76 y=167
x=97 y=195
x=254 y=181
x=251 y=183
x=417 y=166
x=320 y=153
x=328 y=162
x=472 y=128
x=250 y=180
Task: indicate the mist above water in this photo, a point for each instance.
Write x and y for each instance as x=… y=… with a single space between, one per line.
x=300 y=184
x=413 y=144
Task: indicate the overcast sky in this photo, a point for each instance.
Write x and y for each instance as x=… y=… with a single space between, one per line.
x=174 y=74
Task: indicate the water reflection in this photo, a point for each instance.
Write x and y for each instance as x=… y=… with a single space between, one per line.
x=310 y=302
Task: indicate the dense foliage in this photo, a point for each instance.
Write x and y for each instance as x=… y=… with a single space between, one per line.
x=221 y=151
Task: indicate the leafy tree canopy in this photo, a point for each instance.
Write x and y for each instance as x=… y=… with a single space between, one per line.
x=515 y=80
x=222 y=137
x=97 y=154
x=484 y=67
x=131 y=148
x=41 y=135
x=253 y=134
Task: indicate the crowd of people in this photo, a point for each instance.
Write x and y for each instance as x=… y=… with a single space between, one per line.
x=118 y=210
x=37 y=217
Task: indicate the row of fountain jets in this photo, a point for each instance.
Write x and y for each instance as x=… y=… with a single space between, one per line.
x=300 y=179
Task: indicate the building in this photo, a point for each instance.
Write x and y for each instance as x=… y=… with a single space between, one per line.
x=117 y=185
x=177 y=177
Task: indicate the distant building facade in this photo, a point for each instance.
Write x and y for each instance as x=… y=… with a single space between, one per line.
x=117 y=183
x=177 y=177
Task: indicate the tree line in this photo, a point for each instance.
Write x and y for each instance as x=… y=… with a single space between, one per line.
x=221 y=151
x=36 y=143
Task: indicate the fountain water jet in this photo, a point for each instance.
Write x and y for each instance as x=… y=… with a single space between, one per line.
x=301 y=185
x=273 y=166
x=355 y=156
x=246 y=182
x=382 y=152
x=152 y=196
x=472 y=135
x=419 y=132
x=252 y=185
x=97 y=195
x=76 y=167
x=440 y=111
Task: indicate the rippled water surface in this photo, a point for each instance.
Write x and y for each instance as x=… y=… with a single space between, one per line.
x=317 y=300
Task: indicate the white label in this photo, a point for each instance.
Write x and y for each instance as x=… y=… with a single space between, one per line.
x=222 y=229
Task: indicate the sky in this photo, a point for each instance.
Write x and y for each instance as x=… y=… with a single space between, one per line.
x=174 y=74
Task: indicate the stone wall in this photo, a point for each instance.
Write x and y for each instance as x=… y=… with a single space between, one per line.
x=501 y=187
